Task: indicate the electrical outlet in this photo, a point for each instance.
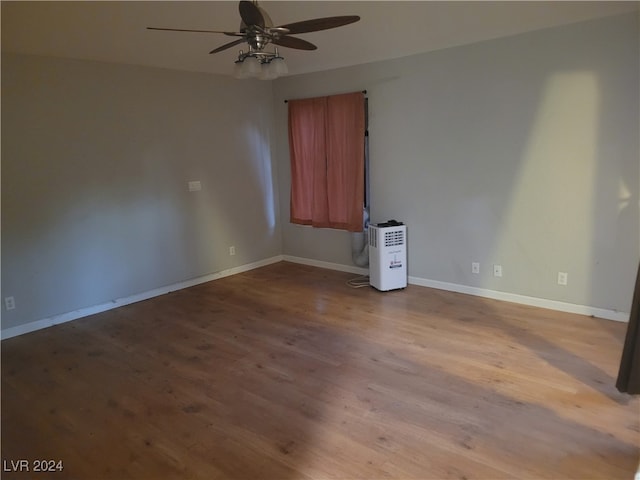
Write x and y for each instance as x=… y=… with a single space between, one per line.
x=563 y=277
x=232 y=250
x=497 y=270
x=475 y=267
x=9 y=303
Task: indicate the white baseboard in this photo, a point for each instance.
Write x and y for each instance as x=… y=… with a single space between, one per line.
x=84 y=312
x=480 y=292
x=523 y=299
x=329 y=265
x=452 y=287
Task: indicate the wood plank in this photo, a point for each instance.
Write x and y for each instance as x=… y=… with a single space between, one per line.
x=286 y=372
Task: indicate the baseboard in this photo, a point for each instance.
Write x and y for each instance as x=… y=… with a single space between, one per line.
x=480 y=292
x=452 y=287
x=120 y=302
x=523 y=299
x=331 y=266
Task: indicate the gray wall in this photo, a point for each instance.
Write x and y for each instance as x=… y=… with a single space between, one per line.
x=521 y=151
x=95 y=164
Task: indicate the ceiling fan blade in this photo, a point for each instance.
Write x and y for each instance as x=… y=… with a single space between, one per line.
x=317 y=24
x=227 y=45
x=232 y=34
x=293 y=42
x=250 y=14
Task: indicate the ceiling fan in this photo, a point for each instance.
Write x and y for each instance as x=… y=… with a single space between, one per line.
x=257 y=30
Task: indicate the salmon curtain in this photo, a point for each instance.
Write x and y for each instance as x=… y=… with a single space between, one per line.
x=326 y=146
x=629 y=372
x=307 y=120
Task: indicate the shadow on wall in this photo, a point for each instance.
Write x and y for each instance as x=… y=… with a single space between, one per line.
x=98 y=209
x=616 y=186
x=579 y=176
x=518 y=160
x=546 y=218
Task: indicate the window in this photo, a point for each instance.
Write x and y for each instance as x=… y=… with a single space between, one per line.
x=326 y=146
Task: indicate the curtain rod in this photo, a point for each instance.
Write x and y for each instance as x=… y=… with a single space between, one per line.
x=363 y=91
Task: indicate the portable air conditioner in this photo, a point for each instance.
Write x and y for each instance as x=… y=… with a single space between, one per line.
x=388 y=256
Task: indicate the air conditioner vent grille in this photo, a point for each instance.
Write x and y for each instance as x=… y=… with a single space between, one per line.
x=393 y=238
x=373 y=237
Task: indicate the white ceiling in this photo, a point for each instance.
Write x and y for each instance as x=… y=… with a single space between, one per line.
x=115 y=31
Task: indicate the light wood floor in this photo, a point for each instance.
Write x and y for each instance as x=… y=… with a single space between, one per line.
x=285 y=372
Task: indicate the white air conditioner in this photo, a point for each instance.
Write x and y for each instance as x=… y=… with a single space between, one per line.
x=388 y=256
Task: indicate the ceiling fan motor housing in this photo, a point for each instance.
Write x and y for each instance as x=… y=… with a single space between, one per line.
x=258 y=41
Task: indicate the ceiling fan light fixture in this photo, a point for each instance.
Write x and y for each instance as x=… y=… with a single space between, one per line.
x=267 y=72
x=239 y=70
x=252 y=66
x=260 y=64
x=280 y=67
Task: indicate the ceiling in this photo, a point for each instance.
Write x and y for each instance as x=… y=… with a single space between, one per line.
x=115 y=31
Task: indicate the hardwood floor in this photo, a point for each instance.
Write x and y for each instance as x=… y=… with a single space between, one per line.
x=285 y=372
